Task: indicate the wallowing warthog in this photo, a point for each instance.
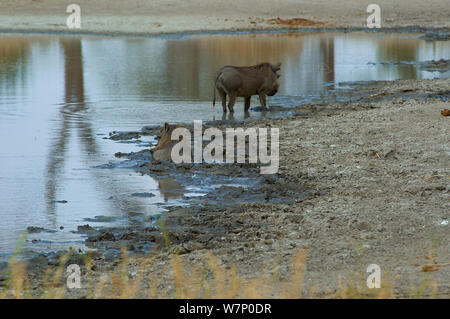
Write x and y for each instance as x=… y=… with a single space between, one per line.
x=235 y=81
x=162 y=151
x=179 y=145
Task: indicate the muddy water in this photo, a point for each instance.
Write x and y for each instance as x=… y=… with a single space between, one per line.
x=61 y=96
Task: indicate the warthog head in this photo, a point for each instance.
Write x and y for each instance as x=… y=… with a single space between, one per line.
x=165 y=136
x=275 y=76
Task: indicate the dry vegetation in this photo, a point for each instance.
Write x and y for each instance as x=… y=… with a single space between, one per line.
x=205 y=279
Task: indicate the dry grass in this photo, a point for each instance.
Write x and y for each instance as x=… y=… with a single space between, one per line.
x=204 y=279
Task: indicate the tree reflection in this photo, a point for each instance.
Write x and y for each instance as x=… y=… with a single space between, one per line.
x=326 y=49
x=73 y=104
x=396 y=50
x=13 y=54
x=74 y=119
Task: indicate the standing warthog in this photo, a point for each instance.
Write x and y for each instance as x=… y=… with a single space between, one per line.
x=235 y=81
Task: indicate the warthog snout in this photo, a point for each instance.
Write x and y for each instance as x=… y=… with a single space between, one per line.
x=274 y=90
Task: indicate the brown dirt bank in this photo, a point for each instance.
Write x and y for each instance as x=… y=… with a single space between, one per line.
x=379 y=178
x=162 y=16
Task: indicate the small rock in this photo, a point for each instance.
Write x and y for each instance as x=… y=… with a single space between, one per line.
x=33 y=229
x=85 y=229
x=144 y=194
x=112 y=254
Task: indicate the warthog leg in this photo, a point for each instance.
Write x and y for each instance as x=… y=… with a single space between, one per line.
x=262 y=99
x=223 y=97
x=232 y=100
x=247 y=103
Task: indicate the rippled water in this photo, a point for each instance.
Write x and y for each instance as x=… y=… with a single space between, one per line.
x=60 y=96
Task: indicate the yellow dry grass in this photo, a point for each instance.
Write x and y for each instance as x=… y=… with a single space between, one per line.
x=204 y=279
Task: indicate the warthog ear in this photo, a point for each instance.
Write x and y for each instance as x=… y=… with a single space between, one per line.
x=276 y=67
x=166 y=126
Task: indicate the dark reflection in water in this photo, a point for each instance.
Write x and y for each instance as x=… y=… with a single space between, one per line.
x=170 y=188
x=327 y=50
x=73 y=104
x=59 y=96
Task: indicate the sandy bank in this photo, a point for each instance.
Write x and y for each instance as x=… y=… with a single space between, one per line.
x=161 y=16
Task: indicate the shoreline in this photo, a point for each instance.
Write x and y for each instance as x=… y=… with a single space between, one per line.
x=189 y=33
x=165 y=17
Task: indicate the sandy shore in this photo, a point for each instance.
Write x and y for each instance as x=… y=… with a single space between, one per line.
x=162 y=16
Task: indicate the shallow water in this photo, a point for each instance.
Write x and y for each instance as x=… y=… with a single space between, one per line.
x=60 y=96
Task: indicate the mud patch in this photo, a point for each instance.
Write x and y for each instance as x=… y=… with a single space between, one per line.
x=144 y=194
x=34 y=230
x=295 y=22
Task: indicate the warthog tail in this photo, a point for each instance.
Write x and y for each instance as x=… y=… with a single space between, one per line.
x=215 y=86
x=214 y=100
